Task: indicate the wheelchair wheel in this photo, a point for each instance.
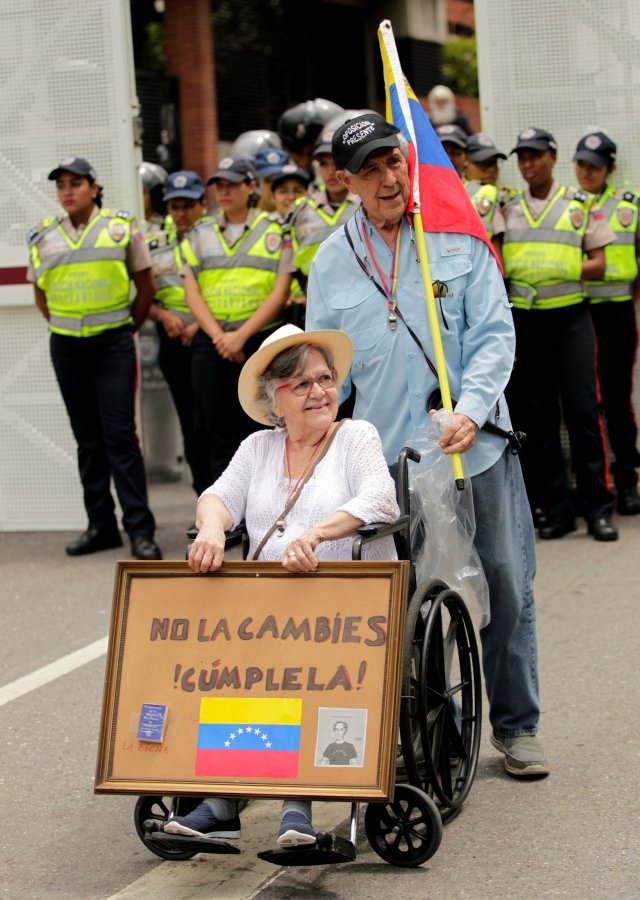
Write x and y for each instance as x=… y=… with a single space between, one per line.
x=410 y=763
x=406 y=832
x=440 y=722
x=158 y=808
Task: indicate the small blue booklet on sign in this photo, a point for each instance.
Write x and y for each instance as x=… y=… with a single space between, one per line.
x=153 y=718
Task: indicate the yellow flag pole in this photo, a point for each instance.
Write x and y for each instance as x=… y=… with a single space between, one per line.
x=393 y=75
x=436 y=337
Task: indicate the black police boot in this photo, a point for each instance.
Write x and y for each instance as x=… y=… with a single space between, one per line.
x=145 y=548
x=92 y=540
x=602 y=528
x=555 y=528
x=629 y=501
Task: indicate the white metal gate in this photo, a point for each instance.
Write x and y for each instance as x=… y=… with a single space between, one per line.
x=66 y=88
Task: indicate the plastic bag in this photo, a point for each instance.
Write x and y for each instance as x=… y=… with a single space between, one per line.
x=443 y=523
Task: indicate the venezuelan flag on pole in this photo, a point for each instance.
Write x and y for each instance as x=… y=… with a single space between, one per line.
x=438 y=193
x=249 y=738
x=438 y=199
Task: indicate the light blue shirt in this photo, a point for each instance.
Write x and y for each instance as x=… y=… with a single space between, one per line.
x=389 y=371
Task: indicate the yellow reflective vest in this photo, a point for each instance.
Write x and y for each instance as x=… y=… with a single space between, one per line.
x=485 y=199
x=234 y=280
x=86 y=282
x=543 y=257
x=620 y=209
x=166 y=261
x=312 y=225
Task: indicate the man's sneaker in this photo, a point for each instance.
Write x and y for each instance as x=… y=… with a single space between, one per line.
x=523 y=755
x=295 y=830
x=203 y=823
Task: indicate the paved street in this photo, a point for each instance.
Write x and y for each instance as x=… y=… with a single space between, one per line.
x=575 y=834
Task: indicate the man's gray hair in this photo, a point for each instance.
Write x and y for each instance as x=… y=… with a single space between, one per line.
x=284 y=365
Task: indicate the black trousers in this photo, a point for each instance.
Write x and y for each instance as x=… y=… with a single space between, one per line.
x=174 y=360
x=219 y=416
x=97 y=378
x=617 y=339
x=555 y=379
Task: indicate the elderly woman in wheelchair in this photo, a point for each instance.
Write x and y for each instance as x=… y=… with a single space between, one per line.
x=302 y=490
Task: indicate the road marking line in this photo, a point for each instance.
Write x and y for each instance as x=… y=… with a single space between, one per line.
x=52 y=671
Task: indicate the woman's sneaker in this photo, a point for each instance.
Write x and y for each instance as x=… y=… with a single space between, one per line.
x=295 y=830
x=203 y=823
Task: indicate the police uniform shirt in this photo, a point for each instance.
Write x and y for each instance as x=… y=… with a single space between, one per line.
x=305 y=219
x=498 y=224
x=232 y=234
x=597 y=233
x=137 y=255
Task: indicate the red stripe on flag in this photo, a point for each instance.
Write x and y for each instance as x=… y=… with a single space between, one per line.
x=445 y=204
x=247 y=763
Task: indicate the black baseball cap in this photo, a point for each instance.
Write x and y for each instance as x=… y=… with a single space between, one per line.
x=452 y=134
x=235 y=170
x=357 y=138
x=290 y=171
x=185 y=185
x=596 y=148
x=76 y=165
x=535 y=139
x=481 y=147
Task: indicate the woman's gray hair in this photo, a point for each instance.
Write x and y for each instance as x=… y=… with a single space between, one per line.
x=284 y=365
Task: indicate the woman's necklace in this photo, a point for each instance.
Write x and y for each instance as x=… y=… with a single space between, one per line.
x=292 y=490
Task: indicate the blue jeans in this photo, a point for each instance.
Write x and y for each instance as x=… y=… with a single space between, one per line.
x=506 y=545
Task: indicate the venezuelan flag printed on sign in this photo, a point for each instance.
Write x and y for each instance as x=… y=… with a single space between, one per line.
x=437 y=191
x=248 y=738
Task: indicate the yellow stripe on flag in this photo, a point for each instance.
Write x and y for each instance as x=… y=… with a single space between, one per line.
x=250 y=711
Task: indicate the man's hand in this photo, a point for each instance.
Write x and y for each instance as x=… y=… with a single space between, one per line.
x=459 y=436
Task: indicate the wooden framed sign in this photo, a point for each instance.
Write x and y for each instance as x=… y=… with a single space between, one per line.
x=253 y=681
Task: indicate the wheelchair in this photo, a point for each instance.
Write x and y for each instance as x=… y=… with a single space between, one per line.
x=439 y=733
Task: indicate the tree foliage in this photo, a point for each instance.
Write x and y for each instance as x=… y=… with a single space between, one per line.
x=460 y=66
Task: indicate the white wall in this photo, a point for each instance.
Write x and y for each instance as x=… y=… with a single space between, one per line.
x=66 y=87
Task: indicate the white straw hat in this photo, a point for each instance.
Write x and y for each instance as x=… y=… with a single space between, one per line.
x=338 y=343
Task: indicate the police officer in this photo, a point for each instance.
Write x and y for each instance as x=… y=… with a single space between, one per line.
x=289 y=184
x=549 y=229
x=483 y=196
x=482 y=159
x=300 y=126
x=454 y=142
x=81 y=264
x=237 y=280
x=154 y=178
x=613 y=310
x=175 y=325
x=324 y=211
x=268 y=161
x=483 y=165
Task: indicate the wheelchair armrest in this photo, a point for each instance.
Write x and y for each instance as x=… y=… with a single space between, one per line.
x=377 y=530
x=233 y=537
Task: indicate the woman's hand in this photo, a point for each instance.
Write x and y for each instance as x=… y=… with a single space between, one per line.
x=187 y=335
x=229 y=345
x=299 y=555
x=173 y=324
x=207 y=550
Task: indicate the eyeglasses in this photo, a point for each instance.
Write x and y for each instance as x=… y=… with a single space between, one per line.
x=304 y=386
